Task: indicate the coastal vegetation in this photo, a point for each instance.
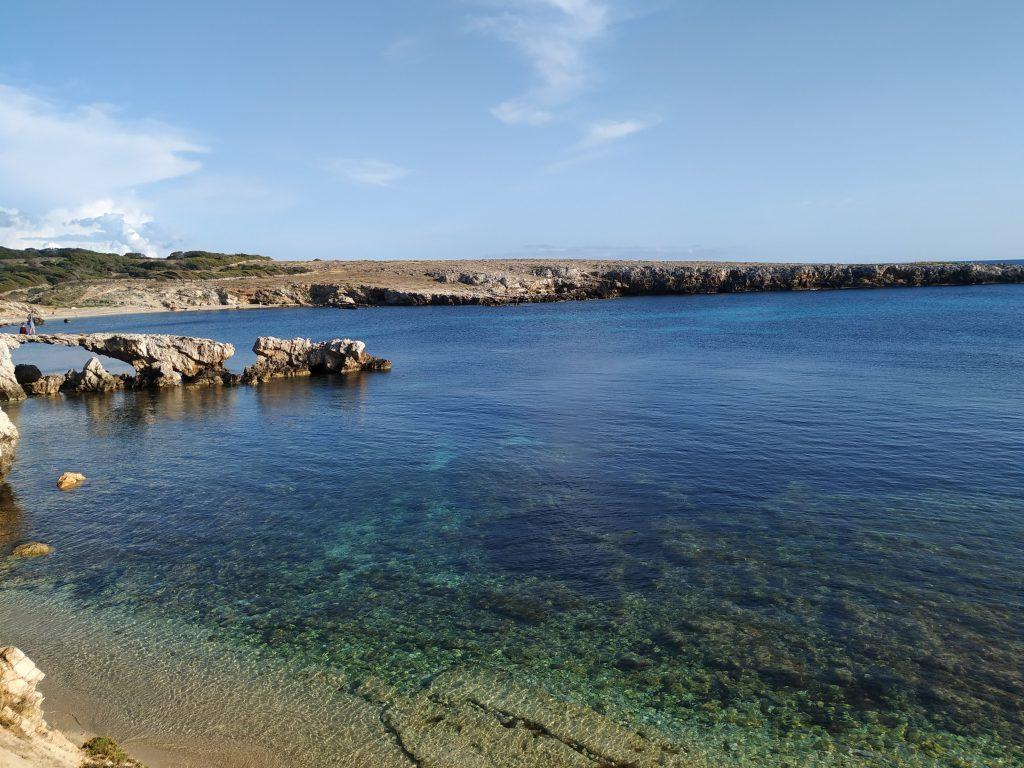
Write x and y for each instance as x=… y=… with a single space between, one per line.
x=55 y=266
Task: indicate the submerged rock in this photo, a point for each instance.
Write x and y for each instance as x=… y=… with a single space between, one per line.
x=476 y=718
x=70 y=480
x=301 y=357
x=32 y=549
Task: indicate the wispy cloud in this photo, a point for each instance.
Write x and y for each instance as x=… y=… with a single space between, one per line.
x=69 y=174
x=365 y=170
x=54 y=155
x=554 y=36
x=606 y=131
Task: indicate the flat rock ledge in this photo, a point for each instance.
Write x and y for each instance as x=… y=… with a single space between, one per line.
x=278 y=358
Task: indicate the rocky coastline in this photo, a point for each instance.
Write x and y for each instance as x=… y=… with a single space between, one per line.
x=166 y=361
x=349 y=285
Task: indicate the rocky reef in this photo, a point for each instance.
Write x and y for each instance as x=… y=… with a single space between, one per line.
x=277 y=358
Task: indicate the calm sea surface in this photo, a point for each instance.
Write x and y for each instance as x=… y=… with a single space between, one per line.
x=793 y=519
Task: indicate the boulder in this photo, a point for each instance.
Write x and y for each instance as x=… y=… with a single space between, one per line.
x=32 y=549
x=300 y=357
x=50 y=384
x=93 y=378
x=27 y=374
x=70 y=480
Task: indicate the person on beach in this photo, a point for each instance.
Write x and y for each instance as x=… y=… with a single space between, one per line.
x=31 y=323
x=24 y=330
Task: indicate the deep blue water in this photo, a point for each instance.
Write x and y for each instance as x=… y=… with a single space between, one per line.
x=790 y=513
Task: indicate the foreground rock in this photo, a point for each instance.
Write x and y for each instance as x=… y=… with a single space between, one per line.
x=25 y=738
x=8 y=444
x=278 y=358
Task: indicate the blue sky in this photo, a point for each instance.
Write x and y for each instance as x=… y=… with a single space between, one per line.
x=804 y=131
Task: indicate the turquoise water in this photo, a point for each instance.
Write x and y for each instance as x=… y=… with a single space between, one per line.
x=794 y=518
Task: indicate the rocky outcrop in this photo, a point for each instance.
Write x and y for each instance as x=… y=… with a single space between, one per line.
x=10 y=389
x=24 y=734
x=481 y=719
x=93 y=378
x=278 y=358
x=159 y=361
x=8 y=444
x=70 y=480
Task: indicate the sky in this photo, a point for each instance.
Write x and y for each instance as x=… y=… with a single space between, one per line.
x=775 y=130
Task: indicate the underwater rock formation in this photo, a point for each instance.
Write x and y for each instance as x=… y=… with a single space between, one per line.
x=301 y=357
x=32 y=549
x=475 y=718
x=25 y=738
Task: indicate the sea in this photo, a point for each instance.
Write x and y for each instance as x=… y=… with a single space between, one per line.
x=769 y=529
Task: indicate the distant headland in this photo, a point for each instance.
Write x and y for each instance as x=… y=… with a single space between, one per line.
x=73 y=282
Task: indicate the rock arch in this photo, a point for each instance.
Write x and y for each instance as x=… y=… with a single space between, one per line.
x=159 y=360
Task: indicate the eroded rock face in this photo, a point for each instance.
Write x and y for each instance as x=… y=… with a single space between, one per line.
x=10 y=389
x=278 y=358
x=8 y=443
x=92 y=378
x=22 y=725
x=159 y=360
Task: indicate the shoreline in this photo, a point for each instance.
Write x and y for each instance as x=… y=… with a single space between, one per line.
x=175 y=696
x=351 y=285
x=58 y=314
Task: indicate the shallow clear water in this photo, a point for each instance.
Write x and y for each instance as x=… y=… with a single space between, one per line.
x=796 y=519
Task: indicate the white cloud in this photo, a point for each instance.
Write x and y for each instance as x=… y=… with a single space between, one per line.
x=554 y=36
x=607 y=131
x=70 y=174
x=51 y=155
x=101 y=225
x=365 y=170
